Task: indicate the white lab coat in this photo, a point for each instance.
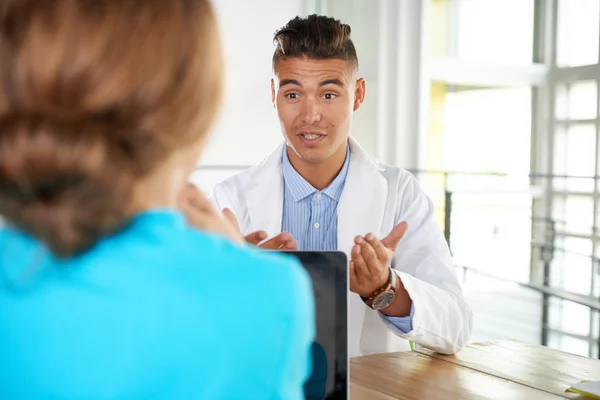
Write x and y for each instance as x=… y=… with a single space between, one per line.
x=375 y=199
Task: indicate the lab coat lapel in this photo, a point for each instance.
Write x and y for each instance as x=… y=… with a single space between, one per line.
x=360 y=211
x=265 y=198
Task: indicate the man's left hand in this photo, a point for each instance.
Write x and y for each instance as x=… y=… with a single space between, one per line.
x=371 y=260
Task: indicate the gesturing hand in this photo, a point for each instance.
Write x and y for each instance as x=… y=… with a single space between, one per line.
x=282 y=241
x=371 y=260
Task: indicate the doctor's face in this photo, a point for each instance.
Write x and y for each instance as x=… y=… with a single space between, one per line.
x=315 y=101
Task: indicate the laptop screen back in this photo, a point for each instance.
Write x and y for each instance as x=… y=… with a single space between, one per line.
x=329 y=274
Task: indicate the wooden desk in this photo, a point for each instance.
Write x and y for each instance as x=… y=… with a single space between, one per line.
x=495 y=370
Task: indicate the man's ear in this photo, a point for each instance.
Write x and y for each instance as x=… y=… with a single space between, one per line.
x=359 y=93
x=273 y=92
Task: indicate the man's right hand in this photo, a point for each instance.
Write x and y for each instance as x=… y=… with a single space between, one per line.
x=282 y=241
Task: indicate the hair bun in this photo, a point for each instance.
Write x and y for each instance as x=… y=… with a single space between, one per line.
x=67 y=171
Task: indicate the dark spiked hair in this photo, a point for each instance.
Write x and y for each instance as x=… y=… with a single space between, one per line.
x=317 y=37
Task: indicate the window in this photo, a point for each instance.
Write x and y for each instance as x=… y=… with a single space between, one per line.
x=572 y=134
x=480 y=129
x=474 y=128
x=577 y=42
x=574 y=157
x=477 y=30
x=577 y=100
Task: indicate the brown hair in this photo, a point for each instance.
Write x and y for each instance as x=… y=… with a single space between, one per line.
x=317 y=37
x=94 y=94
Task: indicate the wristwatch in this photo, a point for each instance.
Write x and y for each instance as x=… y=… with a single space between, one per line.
x=384 y=296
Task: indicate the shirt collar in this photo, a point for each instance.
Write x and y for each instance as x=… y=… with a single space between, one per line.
x=300 y=188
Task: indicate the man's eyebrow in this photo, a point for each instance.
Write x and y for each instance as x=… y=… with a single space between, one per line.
x=289 y=82
x=331 y=82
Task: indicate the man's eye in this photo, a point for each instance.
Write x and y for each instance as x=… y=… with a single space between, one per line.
x=292 y=95
x=330 y=96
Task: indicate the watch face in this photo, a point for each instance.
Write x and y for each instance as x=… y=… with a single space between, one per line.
x=384 y=300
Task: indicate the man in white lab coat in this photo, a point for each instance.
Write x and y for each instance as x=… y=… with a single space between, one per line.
x=325 y=193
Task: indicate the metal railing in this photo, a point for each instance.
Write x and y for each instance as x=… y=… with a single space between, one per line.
x=547 y=251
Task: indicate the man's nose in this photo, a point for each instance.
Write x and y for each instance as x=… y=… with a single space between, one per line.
x=311 y=112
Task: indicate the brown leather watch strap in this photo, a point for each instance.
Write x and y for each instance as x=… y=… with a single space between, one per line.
x=390 y=285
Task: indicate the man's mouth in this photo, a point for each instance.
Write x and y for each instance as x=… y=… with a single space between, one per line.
x=311 y=139
x=311 y=136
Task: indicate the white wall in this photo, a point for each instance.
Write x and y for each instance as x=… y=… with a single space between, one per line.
x=248 y=127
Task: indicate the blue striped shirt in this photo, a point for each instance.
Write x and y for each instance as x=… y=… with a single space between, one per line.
x=311 y=216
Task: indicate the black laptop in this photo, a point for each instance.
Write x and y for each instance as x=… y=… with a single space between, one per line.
x=329 y=274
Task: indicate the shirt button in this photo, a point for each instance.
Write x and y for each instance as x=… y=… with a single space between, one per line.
x=317 y=225
x=318 y=196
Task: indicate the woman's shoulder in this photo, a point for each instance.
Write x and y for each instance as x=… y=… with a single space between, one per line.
x=198 y=249
x=279 y=272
